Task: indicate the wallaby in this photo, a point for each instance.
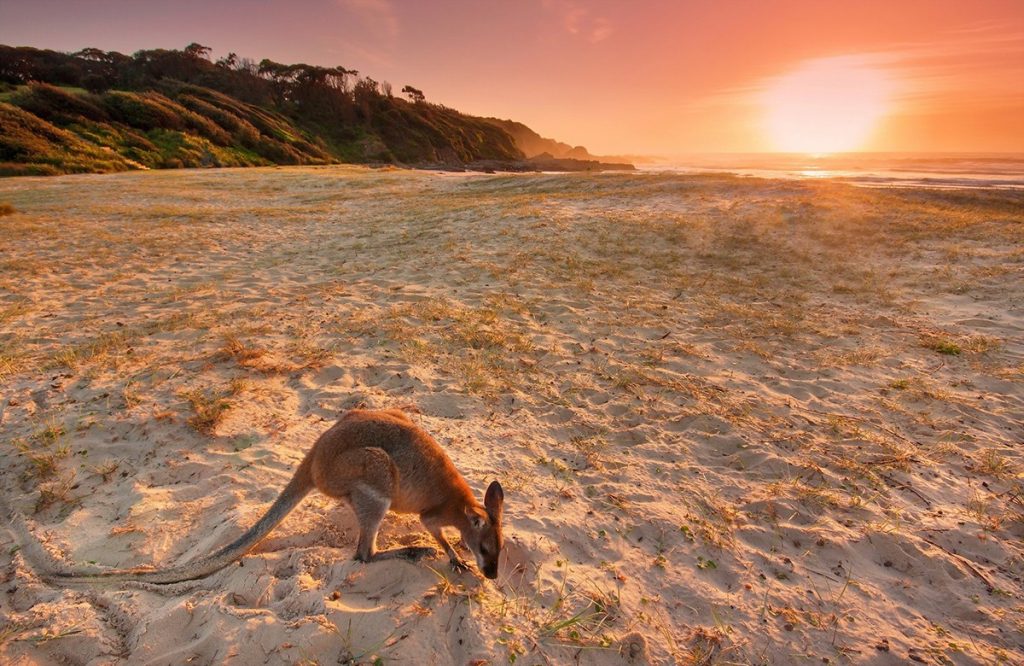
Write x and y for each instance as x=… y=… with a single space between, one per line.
x=376 y=460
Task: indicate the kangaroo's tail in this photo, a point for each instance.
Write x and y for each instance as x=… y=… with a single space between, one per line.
x=293 y=493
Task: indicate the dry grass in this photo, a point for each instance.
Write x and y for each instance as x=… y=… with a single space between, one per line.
x=210 y=406
x=43 y=464
x=993 y=462
x=726 y=367
x=246 y=354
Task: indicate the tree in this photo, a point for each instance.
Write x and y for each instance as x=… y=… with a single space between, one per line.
x=197 y=51
x=415 y=94
x=90 y=53
x=337 y=77
x=229 y=62
x=274 y=71
x=365 y=93
x=102 y=68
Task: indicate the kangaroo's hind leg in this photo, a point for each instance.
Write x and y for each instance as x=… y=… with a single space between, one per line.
x=369 y=479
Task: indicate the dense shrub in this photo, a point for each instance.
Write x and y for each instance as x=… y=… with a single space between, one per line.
x=23 y=135
x=28 y=142
x=142 y=110
x=57 y=105
x=240 y=129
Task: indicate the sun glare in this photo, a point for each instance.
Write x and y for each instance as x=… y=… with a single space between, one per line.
x=825 y=106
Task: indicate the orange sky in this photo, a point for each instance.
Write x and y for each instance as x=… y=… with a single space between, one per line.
x=618 y=77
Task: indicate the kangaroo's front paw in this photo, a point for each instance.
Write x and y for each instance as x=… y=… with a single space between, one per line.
x=458 y=565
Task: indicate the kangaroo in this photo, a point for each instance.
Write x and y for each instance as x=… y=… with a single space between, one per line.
x=376 y=461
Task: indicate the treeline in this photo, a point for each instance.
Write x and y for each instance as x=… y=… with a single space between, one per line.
x=97 y=110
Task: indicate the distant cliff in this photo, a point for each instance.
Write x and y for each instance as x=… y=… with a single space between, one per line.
x=533 y=144
x=98 y=111
x=539 y=148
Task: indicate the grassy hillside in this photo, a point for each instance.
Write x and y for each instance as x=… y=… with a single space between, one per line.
x=48 y=130
x=96 y=112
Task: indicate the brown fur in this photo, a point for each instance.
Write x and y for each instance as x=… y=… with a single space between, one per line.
x=376 y=461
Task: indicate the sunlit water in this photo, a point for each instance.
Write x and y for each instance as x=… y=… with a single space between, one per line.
x=990 y=171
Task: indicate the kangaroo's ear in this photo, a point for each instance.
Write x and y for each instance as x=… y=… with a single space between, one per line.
x=493 y=500
x=475 y=519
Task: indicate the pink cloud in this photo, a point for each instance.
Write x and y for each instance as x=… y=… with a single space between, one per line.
x=578 y=20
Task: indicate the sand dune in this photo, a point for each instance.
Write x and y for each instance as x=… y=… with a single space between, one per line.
x=737 y=420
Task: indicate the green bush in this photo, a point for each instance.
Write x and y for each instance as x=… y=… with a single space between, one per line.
x=57 y=105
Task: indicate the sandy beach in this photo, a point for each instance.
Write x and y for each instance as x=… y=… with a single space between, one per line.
x=737 y=420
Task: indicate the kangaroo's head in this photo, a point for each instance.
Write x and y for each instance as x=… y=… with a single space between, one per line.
x=483 y=538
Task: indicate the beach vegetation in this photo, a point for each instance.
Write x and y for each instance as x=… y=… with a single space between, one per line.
x=944 y=346
x=210 y=406
x=104 y=111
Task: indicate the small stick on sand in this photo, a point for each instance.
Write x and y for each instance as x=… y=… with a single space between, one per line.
x=906 y=486
x=859 y=419
x=990 y=587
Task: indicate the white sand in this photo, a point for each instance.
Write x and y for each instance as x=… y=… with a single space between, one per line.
x=717 y=406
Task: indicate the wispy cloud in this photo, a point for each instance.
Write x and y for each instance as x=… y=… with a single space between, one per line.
x=978 y=65
x=577 y=19
x=376 y=16
x=981 y=64
x=378 y=28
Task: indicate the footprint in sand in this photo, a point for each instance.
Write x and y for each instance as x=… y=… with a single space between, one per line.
x=335 y=376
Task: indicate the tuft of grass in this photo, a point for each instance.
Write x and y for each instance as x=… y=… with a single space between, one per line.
x=991 y=463
x=42 y=461
x=600 y=610
x=245 y=354
x=110 y=349
x=946 y=347
x=44 y=465
x=703 y=646
x=309 y=353
x=129 y=395
x=11 y=631
x=15 y=310
x=57 y=492
x=979 y=344
x=51 y=433
x=210 y=406
x=106 y=469
x=865 y=356
x=705 y=563
x=954 y=346
x=590 y=447
x=11 y=361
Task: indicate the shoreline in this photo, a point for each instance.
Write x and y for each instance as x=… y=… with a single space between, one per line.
x=916 y=181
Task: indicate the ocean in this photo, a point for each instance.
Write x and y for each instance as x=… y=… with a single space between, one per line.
x=937 y=170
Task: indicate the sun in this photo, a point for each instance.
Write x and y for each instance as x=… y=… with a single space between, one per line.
x=829 y=105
